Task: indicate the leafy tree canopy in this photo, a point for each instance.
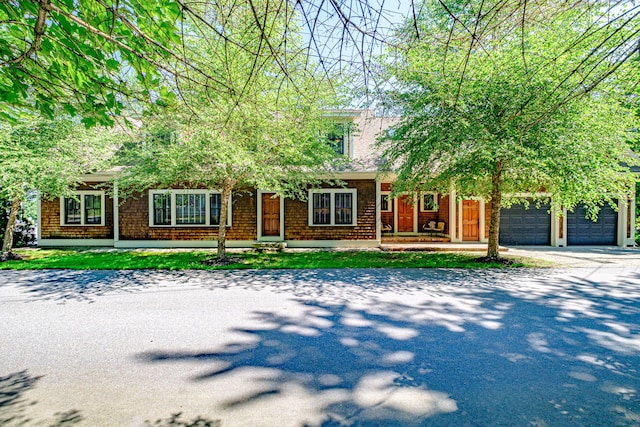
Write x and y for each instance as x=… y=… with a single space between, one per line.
x=261 y=128
x=500 y=99
x=49 y=156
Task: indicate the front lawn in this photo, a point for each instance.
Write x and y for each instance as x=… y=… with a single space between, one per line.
x=115 y=259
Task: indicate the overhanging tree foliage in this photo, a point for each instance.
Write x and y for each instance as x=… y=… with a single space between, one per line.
x=50 y=156
x=497 y=99
x=265 y=133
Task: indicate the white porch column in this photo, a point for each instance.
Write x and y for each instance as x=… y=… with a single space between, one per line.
x=116 y=215
x=378 y=210
x=453 y=216
x=481 y=222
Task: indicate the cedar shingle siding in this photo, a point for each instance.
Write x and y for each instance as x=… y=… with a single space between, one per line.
x=50 y=227
x=134 y=221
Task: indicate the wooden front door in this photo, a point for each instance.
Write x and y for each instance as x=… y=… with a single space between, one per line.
x=270 y=215
x=405 y=215
x=471 y=220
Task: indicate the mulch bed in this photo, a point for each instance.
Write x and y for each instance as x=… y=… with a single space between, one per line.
x=215 y=262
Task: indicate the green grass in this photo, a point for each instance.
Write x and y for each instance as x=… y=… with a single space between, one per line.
x=92 y=259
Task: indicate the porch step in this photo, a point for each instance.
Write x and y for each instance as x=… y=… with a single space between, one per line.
x=269 y=246
x=414 y=239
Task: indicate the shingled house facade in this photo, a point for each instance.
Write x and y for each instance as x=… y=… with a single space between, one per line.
x=360 y=214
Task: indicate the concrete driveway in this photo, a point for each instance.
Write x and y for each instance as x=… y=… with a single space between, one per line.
x=581 y=256
x=544 y=347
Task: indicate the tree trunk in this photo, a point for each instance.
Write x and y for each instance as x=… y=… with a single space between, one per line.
x=7 y=243
x=222 y=228
x=493 y=248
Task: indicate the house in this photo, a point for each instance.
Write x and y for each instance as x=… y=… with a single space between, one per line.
x=361 y=214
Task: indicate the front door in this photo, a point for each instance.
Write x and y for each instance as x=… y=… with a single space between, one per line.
x=270 y=215
x=405 y=215
x=470 y=220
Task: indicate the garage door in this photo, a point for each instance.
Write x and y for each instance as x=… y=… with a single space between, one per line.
x=583 y=231
x=520 y=226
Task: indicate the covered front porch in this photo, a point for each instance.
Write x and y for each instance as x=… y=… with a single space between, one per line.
x=430 y=217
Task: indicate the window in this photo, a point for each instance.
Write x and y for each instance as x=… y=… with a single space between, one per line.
x=385 y=203
x=185 y=208
x=337 y=138
x=215 y=205
x=344 y=208
x=92 y=209
x=332 y=207
x=161 y=209
x=191 y=209
x=85 y=208
x=322 y=208
x=429 y=202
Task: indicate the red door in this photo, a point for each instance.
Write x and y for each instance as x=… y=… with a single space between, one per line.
x=470 y=220
x=270 y=215
x=405 y=215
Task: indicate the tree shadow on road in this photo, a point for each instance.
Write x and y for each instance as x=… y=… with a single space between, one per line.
x=82 y=285
x=450 y=348
x=15 y=406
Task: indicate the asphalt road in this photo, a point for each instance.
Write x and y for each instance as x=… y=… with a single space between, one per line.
x=544 y=347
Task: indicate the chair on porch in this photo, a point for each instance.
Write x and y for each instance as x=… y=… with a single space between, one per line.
x=386 y=228
x=433 y=227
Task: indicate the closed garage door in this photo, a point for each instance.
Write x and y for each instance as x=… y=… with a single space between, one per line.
x=583 y=231
x=520 y=226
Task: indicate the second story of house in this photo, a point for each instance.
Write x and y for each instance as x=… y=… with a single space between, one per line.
x=355 y=133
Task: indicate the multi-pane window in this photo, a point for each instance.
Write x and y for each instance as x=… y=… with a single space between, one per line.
x=385 y=203
x=191 y=209
x=92 y=209
x=344 y=208
x=321 y=208
x=332 y=207
x=429 y=202
x=215 y=206
x=161 y=209
x=72 y=211
x=85 y=208
x=185 y=208
x=337 y=138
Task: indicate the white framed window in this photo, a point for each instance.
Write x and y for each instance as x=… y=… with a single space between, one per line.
x=429 y=202
x=333 y=207
x=339 y=137
x=386 y=202
x=186 y=208
x=85 y=208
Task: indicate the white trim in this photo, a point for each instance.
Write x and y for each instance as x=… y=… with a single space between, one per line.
x=345 y=176
x=332 y=204
x=116 y=213
x=452 y=215
x=389 y=200
x=625 y=206
x=435 y=201
x=172 y=193
x=38 y=217
x=631 y=211
x=332 y=243
x=482 y=235
x=81 y=194
x=565 y=239
x=75 y=242
x=555 y=239
x=143 y=244
x=379 y=210
x=262 y=238
x=395 y=215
